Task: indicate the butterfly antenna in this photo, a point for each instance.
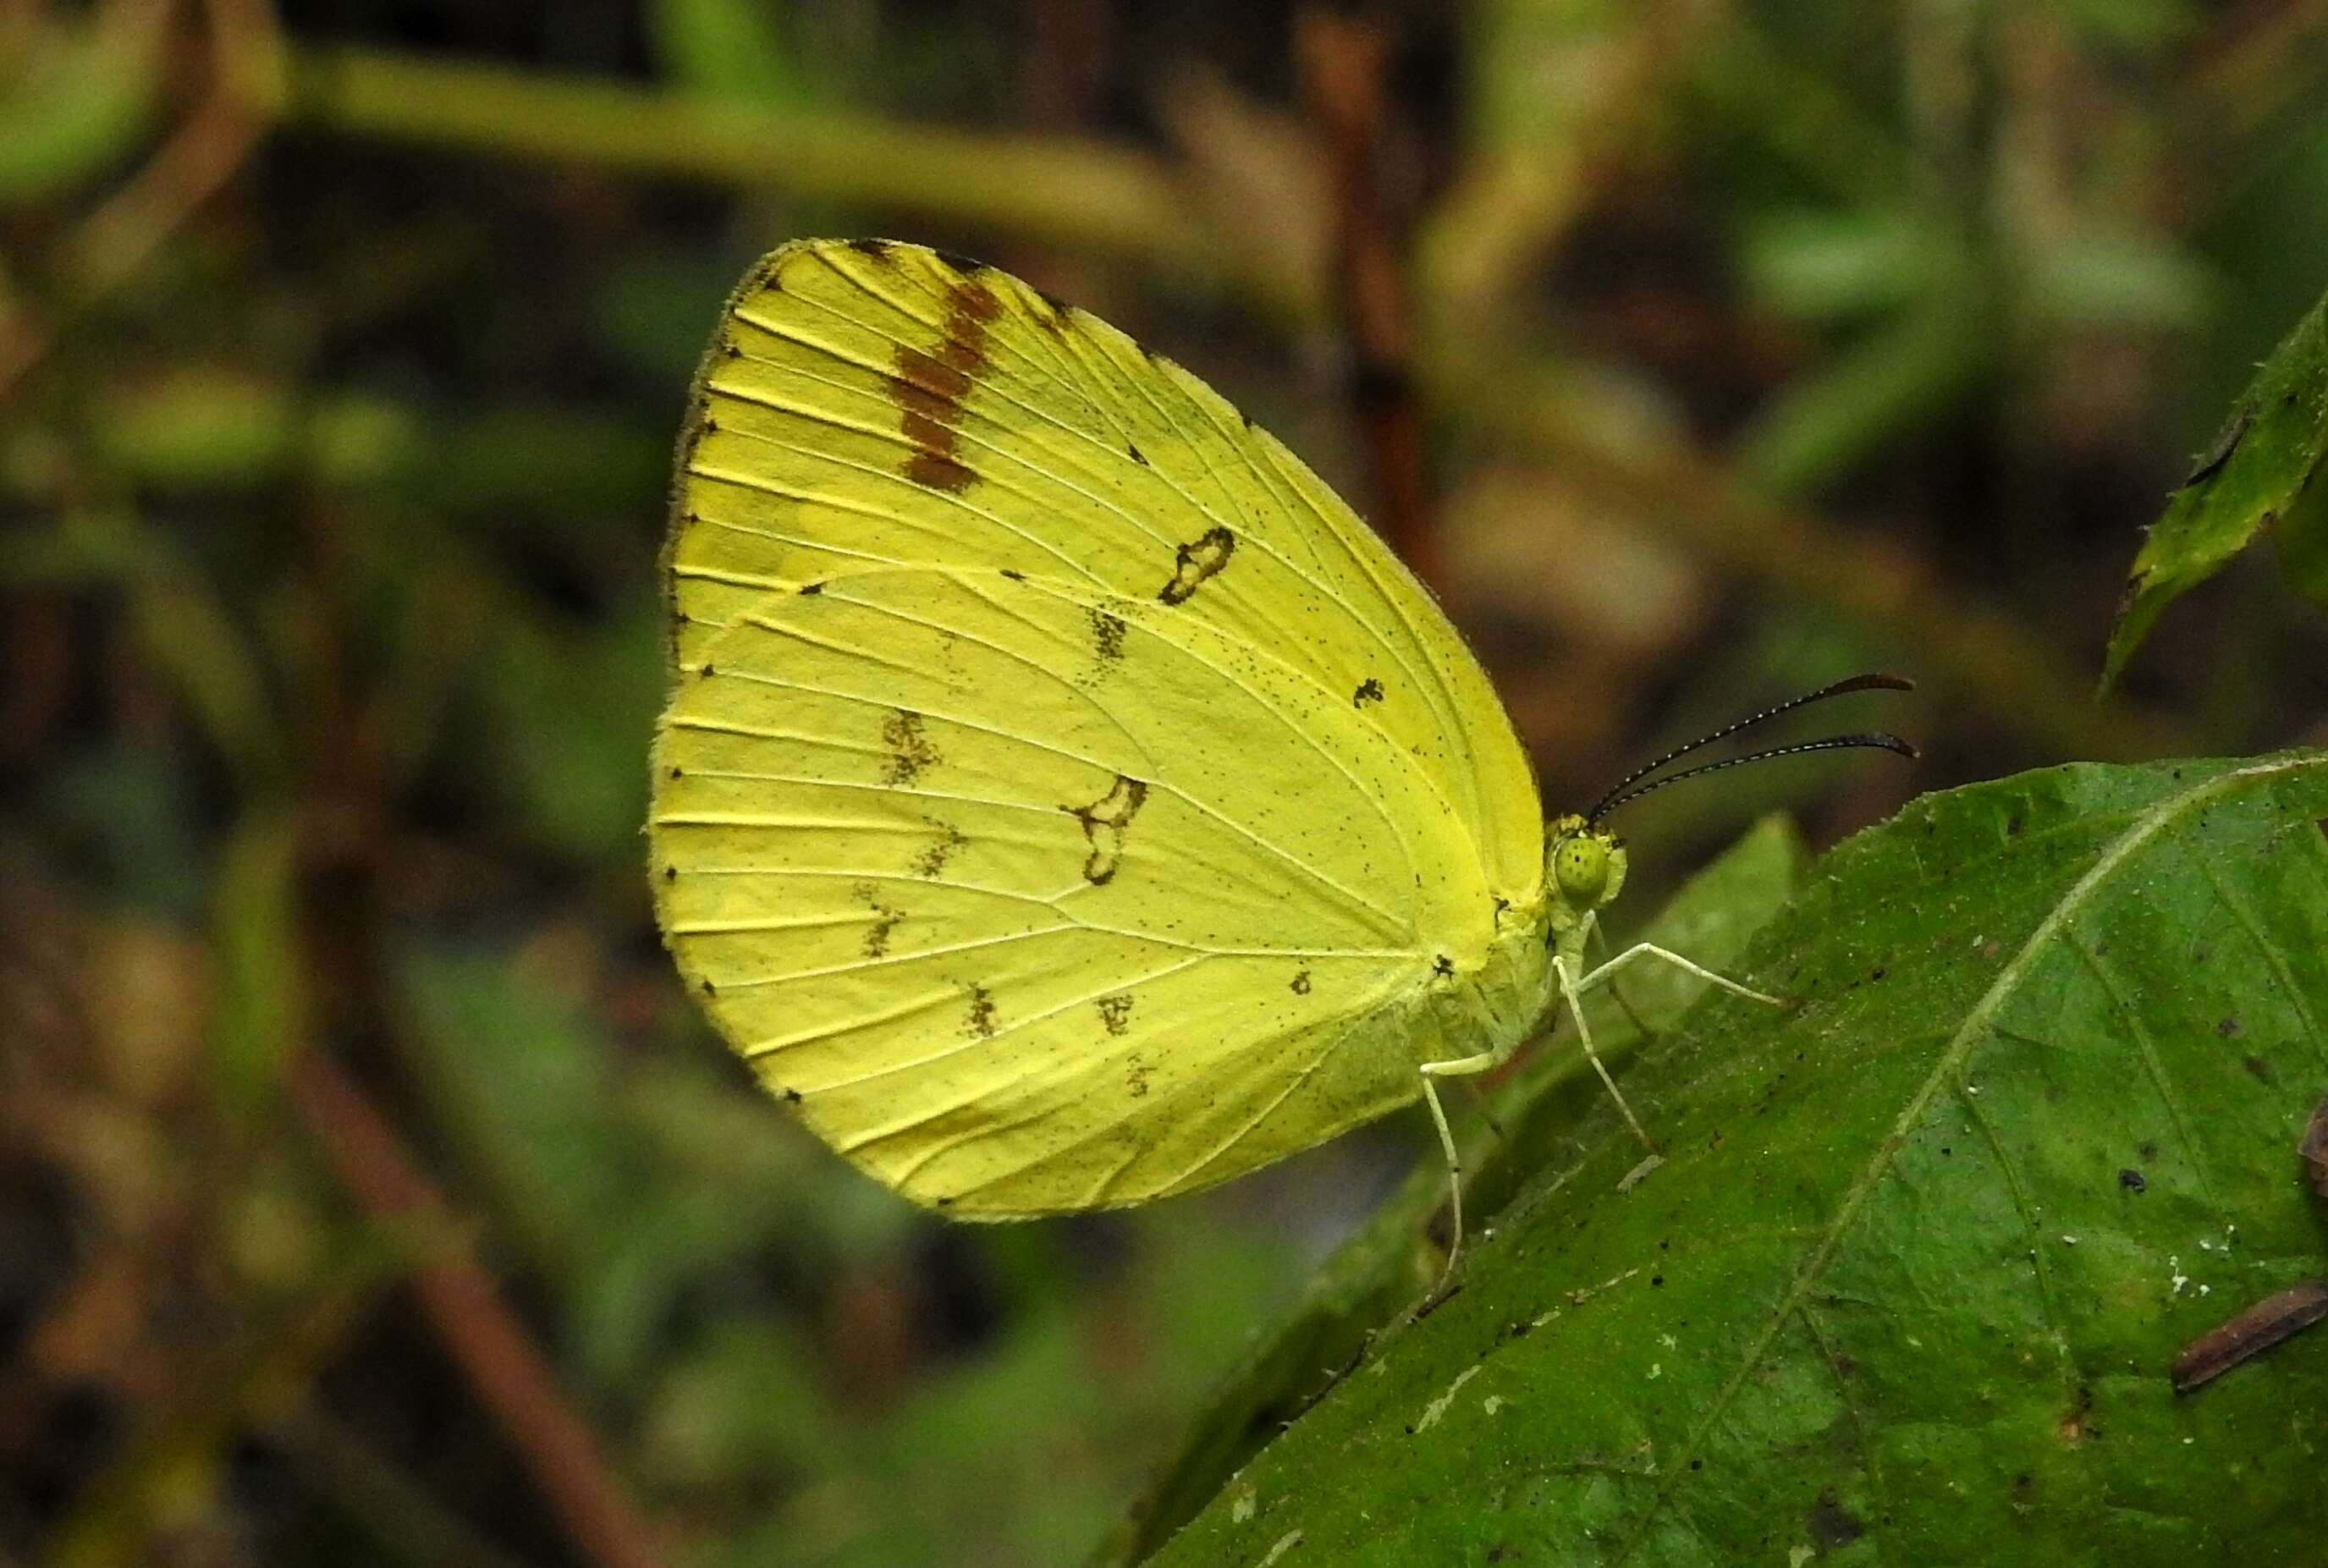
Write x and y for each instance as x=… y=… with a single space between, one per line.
x=1871 y=739
x=1618 y=791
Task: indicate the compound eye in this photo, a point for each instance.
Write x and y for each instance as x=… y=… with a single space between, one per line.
x=1581 y=868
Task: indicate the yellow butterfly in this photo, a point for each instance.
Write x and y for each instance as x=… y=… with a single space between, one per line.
x=1064 y=799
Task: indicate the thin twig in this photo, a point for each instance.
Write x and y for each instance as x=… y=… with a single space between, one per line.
x=2270 y=1322
x=1342 y=63
x=1043 y=188
x=477 y=1325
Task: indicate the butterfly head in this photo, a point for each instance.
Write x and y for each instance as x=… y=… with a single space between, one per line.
x=1585 y=866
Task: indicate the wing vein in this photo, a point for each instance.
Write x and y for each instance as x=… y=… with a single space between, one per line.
x=1193 y=801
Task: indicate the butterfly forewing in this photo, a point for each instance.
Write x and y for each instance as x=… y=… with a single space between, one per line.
x=1063 y=798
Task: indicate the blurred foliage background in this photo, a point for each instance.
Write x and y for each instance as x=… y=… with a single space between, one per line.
x=369 y=1193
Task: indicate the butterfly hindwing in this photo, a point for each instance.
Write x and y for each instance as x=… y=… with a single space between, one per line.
x=1089 y=944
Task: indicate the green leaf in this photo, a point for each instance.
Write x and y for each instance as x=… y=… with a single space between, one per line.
x=261 y=1016
x=2249 y=479
x=2099 y=278
x=75 y=101
x=1381 y=1271
x=198 y=427
x=1824 y=264
x=1907 y=1288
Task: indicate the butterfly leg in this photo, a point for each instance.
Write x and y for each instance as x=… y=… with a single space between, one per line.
x=1572 y=988
x=1605 y=972
x=1640 y=1025
x=1457 y=1067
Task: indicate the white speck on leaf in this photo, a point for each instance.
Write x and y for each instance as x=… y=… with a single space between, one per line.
x=1244 y=1506
x=1656 y=1370
x=1285 y=1543
x=2179 y=1279
x=1438 y=1407
x=1492 y=1403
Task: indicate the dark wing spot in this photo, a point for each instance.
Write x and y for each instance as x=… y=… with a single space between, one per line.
x=811 y=587
x=1369 y=690
x=980 y=1017
x=879 y=249
x=937 y=471
x=1107 y=639
x=927 y=384
x=671 y=873
x=707 y=671
x=1135 y=1071
x=1105 y=821
x=929 y=389
x=1442 y=965
x=709 y=989
x=674 y=771
x=970 y=302
x=931 y=863
x=910 y=751
x=1137 y=454
x=877 y=935
x=1193 y=563
x=792 y=1096
x=1115 y=1012
x=731 y=350
x=959 y=262
x=1015 y=576
x=1301 y=983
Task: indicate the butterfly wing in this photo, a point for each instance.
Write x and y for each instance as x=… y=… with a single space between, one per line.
x=1064 y=797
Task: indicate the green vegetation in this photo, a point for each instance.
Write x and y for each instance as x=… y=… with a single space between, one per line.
x=371 y=1194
